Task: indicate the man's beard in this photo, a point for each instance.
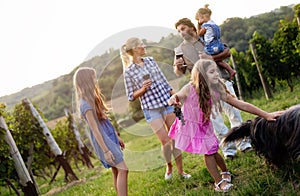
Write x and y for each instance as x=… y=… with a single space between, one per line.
x=188 y=36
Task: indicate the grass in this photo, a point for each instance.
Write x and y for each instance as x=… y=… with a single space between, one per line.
x=251 y=175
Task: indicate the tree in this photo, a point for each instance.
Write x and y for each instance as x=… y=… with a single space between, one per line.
x=249 y=79
x=30 y=140
x=265 y=85
x=297 y=13
x=9 y=156
x=286 y=44
x=27 y=184
x=237 y=31
x=55 y=149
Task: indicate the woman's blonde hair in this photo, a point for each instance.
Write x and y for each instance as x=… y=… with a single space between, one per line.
x=206 y=90
x=203 y=11
x=126 y=51
x=87 y=88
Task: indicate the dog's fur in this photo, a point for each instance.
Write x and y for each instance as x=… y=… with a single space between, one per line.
x=278 y=142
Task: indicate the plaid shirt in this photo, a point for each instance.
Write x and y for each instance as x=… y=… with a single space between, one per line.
x=158 y=94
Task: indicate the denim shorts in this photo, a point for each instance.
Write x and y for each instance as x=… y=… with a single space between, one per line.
x=152 y=114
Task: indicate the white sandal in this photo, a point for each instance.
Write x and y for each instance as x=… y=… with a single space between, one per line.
x=186 y=175
x=168 y=176
x=225 y=189
x=228 y=179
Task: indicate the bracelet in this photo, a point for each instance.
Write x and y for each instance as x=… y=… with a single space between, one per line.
x=106 y=151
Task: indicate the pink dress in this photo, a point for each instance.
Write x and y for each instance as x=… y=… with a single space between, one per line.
x=195 y=136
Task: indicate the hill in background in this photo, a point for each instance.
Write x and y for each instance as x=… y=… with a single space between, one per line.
x=55 y=95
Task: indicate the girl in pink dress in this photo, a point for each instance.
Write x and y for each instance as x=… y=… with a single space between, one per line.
x=196 y=134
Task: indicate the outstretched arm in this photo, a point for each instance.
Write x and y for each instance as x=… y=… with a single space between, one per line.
x=181 y=95
x=248 y=107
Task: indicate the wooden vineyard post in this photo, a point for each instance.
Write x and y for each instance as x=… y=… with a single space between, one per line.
x=27 y=184
x=69 y=174
x=239 y=86
x=82 y=148
x=265 y=85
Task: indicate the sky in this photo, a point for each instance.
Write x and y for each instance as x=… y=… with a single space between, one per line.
x=41 y=40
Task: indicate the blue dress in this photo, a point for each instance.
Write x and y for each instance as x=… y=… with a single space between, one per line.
x=212 y=38
x=109 y=136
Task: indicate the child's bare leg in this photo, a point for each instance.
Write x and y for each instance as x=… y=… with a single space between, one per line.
x=225 y=65
x=211 y=165
x=222 y=55
x=221 y=163
x=122 y=178
x=115 y=177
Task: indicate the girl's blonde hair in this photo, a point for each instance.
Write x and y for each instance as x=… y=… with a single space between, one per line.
x=126 y=51
x=206 y=90
x=87 y=88
x=203 y=11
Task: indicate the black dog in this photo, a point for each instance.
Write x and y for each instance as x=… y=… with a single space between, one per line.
x=278 y=142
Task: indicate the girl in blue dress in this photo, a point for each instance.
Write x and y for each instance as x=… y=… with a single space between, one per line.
x=105 y=140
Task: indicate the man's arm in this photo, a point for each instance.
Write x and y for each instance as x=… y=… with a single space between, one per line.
x=222 y=55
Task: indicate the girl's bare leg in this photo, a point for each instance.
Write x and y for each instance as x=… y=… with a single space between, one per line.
x=221 y=163
x=122 y=179
x=115 y=177
x=225 y=65
x=211 y=165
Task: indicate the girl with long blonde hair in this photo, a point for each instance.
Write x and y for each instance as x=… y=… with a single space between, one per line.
x=107 y=144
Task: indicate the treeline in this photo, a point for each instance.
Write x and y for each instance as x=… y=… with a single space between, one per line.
x=237 y=32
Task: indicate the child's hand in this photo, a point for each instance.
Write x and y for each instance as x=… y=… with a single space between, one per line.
x=272 y=116
x=109 y=157
x=174 y=100
x=122 y=144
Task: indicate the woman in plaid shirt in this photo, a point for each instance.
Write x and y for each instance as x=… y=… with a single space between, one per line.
x=144 y=80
